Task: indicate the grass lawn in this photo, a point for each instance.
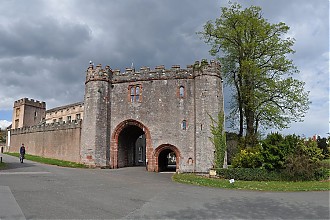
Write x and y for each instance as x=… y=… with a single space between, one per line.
x=2 y=165
x=252 y=185
x=51 y=161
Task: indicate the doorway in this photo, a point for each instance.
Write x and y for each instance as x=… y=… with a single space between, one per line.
x=131 y=147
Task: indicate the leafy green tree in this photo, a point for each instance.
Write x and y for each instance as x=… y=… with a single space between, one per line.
x=323 y=144
x=253 y=54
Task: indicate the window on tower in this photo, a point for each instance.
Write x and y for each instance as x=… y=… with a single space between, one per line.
x=135 y=93
x=181 y=92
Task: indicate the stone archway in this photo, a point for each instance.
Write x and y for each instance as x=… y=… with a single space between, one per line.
x=122 y=153
x=163 y=159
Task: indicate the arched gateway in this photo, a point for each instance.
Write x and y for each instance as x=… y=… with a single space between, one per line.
x=131 y=145
x=167 y=158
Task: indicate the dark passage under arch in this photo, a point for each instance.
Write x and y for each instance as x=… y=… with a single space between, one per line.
x=131 y=147
x=166 y=160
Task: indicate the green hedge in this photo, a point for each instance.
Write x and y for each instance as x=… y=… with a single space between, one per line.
x=249 y=174
x=261 y=174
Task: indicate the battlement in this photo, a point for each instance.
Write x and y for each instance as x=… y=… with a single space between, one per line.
x=31 y=102
x=97 y=73
x=159 y=72
x=48 y=127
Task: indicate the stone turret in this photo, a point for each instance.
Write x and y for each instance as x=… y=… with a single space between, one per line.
x=95 y=140
x=208 y=103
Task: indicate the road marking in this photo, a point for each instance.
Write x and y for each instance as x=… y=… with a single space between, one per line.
x=24 y=173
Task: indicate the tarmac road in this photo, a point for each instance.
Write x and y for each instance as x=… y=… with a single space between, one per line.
x=37 y=191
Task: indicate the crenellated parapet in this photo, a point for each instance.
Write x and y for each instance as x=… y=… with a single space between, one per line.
x=161 y=73
x=47 y=127
x=158 y=73
x=30 y=102
x=98 y=73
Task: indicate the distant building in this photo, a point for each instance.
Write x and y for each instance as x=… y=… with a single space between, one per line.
x=156 y=118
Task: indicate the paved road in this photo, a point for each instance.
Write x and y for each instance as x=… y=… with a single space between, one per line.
x=36 y=191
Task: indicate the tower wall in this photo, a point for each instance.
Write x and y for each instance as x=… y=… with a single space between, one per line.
x=208 y=103
x=95 y=138
x=28 y=112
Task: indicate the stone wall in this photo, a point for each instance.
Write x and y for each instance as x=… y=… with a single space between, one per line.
x=56 y=140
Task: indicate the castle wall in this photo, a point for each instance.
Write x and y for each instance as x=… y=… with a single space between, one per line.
x=58 y=140
x=161 y=111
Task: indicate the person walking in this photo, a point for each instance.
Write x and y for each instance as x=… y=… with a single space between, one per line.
x=22 y=153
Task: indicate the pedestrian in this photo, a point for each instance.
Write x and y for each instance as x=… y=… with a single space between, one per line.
x=22 y=153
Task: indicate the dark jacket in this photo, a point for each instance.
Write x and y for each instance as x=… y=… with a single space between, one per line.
x=22 y=150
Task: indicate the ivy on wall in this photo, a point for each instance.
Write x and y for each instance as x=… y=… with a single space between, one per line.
x=218 y=139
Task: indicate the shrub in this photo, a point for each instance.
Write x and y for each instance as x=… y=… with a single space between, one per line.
x=299 y=167
x=248 y=158
x=249 y=174
x=275 y=149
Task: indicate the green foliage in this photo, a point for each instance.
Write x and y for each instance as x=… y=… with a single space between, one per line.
x=51 y=161
x=249 y=174
x=323 y=144
x=2 y=136
x=275 y=149
x=295 y=158
x=299 y=167
x=248 y=158
x=218 y=139
x=251 y=185
x=255 y=63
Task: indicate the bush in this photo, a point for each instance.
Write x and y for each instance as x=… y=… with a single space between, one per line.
x=248 y=158
x=249 y=174
x=305 y=165
x=275 y=149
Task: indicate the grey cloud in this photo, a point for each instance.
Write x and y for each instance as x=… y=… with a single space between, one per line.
x=46 y=45
x=42 y=37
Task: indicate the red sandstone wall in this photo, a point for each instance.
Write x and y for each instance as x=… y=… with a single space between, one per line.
x=59 y=142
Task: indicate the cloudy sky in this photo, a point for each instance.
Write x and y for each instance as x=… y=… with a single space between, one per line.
x=46 y=45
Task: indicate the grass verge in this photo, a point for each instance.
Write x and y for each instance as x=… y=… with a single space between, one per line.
x=2 y=165
x=252 y=185
x=51 y=161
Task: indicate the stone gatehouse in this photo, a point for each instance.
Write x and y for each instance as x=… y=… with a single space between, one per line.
x=158 y=118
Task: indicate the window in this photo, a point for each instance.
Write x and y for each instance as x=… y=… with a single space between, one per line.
x=181 y=91
x=17 y=112
x=68 y=118
x=184 y=125
x=77 y=116
x=135 y=93
x=54 y=120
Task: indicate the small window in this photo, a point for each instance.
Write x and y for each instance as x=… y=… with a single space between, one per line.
x=184 y=125
x=68 y=119
x=77 y=116
x=16 y=123
x=35 y=114
x=181 y=91
x=54 y=120
x=135 y=93
x=17 y=112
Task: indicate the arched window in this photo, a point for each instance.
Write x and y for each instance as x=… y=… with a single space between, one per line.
x=184 y=125
x=181 y=91
x=135 y=93
x=132 y=93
